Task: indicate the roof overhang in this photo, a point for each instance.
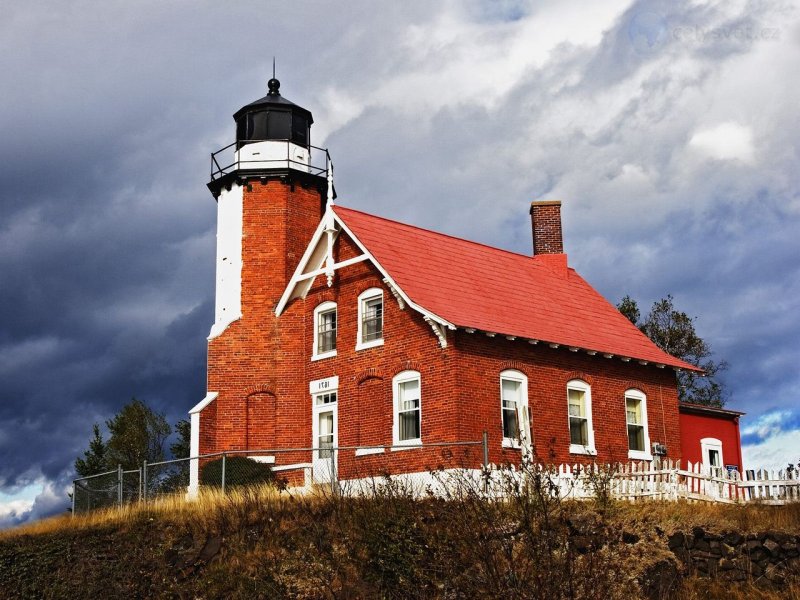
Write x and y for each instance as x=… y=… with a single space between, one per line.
x=713 y=411
x=318 y=260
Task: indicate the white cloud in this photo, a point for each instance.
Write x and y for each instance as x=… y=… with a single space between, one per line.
x=726 y=141
x=775 y=452
x=13 y=512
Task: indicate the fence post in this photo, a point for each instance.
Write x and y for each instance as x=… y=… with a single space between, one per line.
x=485 y=461
x=140 y=484
x=223 y=473
x=144 y=481
x=74 y=491
x=334 y=474
x=119 y=484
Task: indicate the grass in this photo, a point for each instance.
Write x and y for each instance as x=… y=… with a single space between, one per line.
x=260 y=543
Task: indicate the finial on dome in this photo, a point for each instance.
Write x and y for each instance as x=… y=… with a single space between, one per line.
x=273 y=84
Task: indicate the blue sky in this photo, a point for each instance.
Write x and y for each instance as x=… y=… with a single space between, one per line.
x=669 y=131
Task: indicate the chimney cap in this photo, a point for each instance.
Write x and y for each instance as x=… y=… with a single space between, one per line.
x=536 y=203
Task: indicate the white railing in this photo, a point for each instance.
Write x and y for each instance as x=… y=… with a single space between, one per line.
x=671 y=481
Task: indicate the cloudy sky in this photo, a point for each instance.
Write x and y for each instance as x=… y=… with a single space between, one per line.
x=669 y=130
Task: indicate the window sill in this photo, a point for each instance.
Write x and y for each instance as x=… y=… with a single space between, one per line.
x=369 y=344
x=268 y=460
x=330 y=354
x=410 y=445
x=368 y=451
x=639 y=455
x=586 y=450
x=511 y=443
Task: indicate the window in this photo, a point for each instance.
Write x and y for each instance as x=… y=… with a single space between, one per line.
x=711 y=449
x=370 y=319
x=407 y=408
x=579 y=402
x=325 y=331
x=636 y=421
x=514 y=408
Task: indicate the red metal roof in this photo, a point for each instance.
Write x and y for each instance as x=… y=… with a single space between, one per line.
x=476 y=286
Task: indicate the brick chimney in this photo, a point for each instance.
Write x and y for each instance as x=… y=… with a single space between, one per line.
x=546 y=225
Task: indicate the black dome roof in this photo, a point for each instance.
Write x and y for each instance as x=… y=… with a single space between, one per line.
x=273 y=99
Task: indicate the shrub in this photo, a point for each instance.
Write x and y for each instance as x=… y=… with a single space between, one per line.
x=239 y=471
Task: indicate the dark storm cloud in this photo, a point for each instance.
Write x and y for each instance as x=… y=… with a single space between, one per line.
x=451 y=118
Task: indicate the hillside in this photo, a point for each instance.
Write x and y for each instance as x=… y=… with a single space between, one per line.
x=258 y=543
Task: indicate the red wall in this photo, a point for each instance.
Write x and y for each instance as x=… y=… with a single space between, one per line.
x=261 y=367
x=725 y=428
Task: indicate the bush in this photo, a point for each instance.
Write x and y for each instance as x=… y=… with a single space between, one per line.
x=239 y=471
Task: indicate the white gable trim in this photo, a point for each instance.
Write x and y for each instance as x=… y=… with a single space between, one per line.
x=210 y=397
x=304 y=275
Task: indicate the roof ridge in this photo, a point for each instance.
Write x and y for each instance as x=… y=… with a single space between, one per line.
x=447 y=235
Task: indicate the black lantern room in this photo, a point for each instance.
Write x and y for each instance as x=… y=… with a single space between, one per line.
x=273 y=118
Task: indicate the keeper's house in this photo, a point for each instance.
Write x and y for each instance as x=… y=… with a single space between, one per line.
x=334 y=327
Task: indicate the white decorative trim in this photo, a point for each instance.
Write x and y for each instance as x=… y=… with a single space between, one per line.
x=469 y=330
x=368 y=451
x=533 y=342
x=323 y=386
x=194 y=443
x=329 y=221
x=400 y=302
x=293 y=467
x=267 y=460
x=411 y=446
x=210 y=397
x=438 y=329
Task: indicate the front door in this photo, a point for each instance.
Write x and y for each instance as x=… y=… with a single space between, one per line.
x=325 y=437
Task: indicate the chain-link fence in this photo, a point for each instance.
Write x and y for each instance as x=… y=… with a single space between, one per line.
x=352 y=470
x=106 y=489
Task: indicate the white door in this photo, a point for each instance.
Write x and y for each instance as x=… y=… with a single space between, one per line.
x=325 y=437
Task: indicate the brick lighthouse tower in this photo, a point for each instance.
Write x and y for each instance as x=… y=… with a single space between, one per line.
x=270 y=186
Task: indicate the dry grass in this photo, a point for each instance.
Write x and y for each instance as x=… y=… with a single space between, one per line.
x=281 y=544
x=744 y=518
x=205 y=511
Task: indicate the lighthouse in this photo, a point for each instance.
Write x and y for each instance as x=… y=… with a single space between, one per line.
x=271 y=186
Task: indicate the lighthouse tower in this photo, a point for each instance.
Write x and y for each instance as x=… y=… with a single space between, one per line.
x=271 y=187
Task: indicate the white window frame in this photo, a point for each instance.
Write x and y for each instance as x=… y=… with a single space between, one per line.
x=363 y=297
x=707 y=444
x=580 y=385
x=323 y=308
x=523 y=419
x=399 y=379
x=645 y=454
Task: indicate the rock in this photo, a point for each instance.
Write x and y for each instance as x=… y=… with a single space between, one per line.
x=701 y=544
x=660 y=580
x=726 y=550
x=727 y=564
x=758 y=554
x=698 y=533
x=756 y=570
x=733 y=538
x=772 y=547
x=677 y=540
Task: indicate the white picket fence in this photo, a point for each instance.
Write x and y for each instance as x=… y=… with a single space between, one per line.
x=670 y=481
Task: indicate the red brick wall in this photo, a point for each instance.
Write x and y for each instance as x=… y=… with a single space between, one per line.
x=261 y=365
x=480 y=360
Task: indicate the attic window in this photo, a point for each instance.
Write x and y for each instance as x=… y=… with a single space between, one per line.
x=370 y=319
x=325 y=331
